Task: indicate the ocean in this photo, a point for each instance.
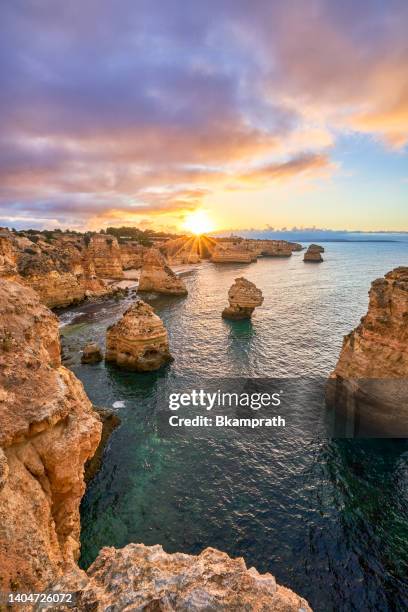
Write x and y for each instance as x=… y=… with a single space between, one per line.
x=327 y=517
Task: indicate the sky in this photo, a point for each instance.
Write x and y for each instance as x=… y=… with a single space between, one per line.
x=259 y=112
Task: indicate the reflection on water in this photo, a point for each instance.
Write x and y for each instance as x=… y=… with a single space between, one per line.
x=329 y=519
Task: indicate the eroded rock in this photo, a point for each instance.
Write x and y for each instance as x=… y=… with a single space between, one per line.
x=138 y=341
x=243 y=298
x=158 y=277
x=313 y=254
x=91 y=353
x=48 y=430
x=140 y=577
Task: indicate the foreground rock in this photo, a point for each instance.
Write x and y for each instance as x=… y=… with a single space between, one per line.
x=243 y=298
x=156 y=276
x=48 y=430
x=372 y=371
x=313 y=254
x=91 y=353
x=140 y=577
x=138 y=341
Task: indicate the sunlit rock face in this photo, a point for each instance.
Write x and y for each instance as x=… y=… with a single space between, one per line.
x=8 y=258
x=224 y=253
x=158 y=277
x=372 y=370
x=140 y=577
x=105 y=254
x=275 y=248
x=48 y=430
x=313 y=254
x=132 y=254
x=243 y=298
x=60 y=271
x=138 y=341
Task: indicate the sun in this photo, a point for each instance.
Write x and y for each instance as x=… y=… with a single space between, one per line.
x=198 y=222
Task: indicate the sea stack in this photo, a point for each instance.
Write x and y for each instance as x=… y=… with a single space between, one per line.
x=156 y=276
x=243 y=298
x=371 y=374
x=313 y=254
x=138 y=341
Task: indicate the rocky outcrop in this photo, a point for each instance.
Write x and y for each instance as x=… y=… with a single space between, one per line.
x=313 y=254
x=276 y=248
x=91 y=353
x=156 y=276
x=140 y=577
x=48 y=430
x=8 y=258
x=243 y=298
x=62 y=271
x=138 y=341
x=232 y=254
x=371 y=375
x=105 y=254
x=132 y=254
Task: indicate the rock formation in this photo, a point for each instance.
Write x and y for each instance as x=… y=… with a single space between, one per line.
x=138 y=341
x=232 y=254
x=140 y=577
x=158 y=277
x=371 y=374
x=8 y=258
x=313 y=254
x=106 y=256
x=243 y=298
x=48 y=430
x=276 y=248
x=91 y=353
x=132 y=254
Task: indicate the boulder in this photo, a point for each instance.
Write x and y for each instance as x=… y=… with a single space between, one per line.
x=313 y=254
x=91 y=353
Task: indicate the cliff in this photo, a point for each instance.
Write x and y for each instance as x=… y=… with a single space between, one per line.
x=8 y=258
x=158 y=277
x=372 y=371
x=132 y=254
x=140 y=577
x=106 y=256
x=243 y=298
x=48 y=430
x=232 y=254
x=138 y=341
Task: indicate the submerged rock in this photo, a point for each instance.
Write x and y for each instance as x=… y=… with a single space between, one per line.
x=91 y=353
x=140 y=577
x=313 y=254
x=243 y=298
x=48 y=429
x=157 y=276
x=372 y=371
x=138 y=341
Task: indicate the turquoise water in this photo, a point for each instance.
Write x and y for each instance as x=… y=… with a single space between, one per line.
x=328 y=519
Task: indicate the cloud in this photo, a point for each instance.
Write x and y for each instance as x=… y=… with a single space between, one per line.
x=125 y=108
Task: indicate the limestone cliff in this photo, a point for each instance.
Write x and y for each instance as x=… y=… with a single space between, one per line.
x=158 y=277
x=132 y=254
x=8 y=258
x=232 y=254
x=48 y=430
x=243 y=298
x=106 y=256
x=138 y=341
x=372 y=371
x=61 y=272
x=140 y=577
